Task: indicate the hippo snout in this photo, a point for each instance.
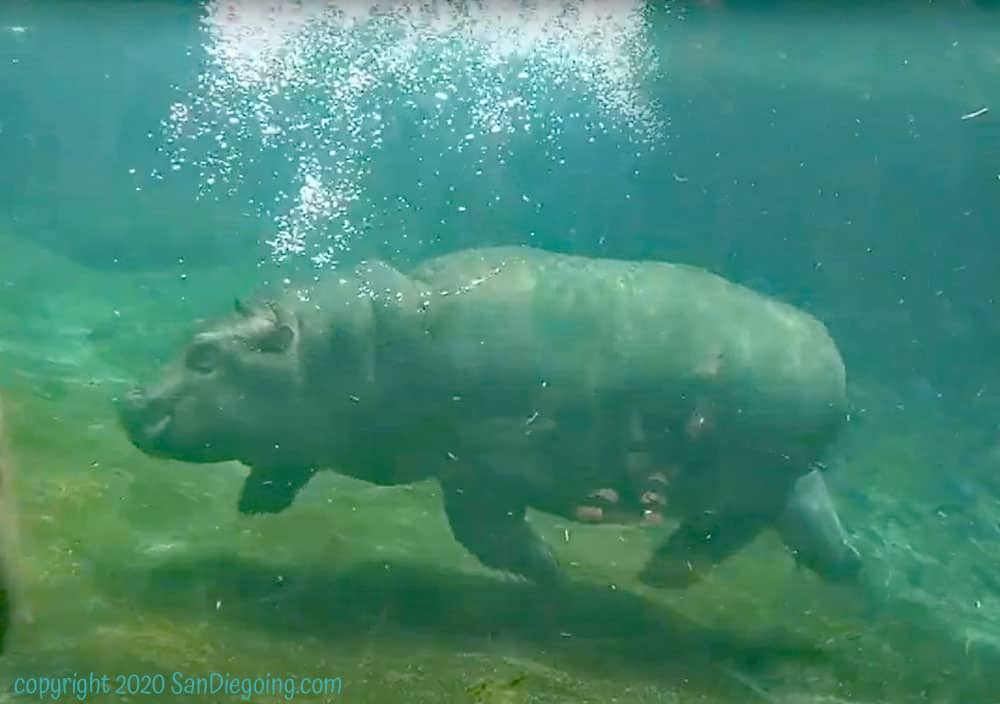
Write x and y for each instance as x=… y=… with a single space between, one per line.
x=133 y=404
x=140 y=400
x=132 y=398
x=145 y=418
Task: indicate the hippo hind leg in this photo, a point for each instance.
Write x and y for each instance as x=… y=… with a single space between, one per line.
x=697 y=546
x=495 y=531
x=807 y=523
x=811 y=529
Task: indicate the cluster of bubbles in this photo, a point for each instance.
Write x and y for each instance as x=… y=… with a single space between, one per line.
x=314 y=84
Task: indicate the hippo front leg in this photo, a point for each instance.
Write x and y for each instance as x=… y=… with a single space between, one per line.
x=271 y=490
x=496 y=533
x=812 y=530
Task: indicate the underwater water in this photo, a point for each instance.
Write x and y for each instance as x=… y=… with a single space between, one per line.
x=161 y=159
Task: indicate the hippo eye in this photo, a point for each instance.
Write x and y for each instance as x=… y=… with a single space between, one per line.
x=203 y=358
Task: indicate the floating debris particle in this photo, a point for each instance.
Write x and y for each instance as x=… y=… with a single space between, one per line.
x=975 y=113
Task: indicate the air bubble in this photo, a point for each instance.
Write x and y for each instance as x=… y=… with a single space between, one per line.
x=309 y=81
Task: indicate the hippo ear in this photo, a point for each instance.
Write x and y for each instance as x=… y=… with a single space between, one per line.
x=276 y=340
x=241 y=308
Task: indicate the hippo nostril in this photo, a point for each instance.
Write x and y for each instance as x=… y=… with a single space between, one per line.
x=138 y=403
x=125 y=400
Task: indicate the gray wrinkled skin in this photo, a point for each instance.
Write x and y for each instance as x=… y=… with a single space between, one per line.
x=522 y=378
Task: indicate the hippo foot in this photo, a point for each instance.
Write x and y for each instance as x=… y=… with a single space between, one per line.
x=272 y=490
x=661 y=574
x=535 y=564
x=696 y=547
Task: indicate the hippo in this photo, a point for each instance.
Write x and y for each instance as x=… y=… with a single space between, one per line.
x=523 y=378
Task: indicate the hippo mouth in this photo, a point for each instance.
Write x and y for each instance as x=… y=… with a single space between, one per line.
x=147 y=422
x=156 y=429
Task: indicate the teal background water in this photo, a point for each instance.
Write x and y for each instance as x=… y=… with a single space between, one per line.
x=819 y=156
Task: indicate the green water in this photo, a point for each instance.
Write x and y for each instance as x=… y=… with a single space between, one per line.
x=821 y=158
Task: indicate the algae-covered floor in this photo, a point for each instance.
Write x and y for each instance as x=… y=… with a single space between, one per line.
x=139 y=566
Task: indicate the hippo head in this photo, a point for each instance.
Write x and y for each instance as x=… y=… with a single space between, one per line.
x=236 y=392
